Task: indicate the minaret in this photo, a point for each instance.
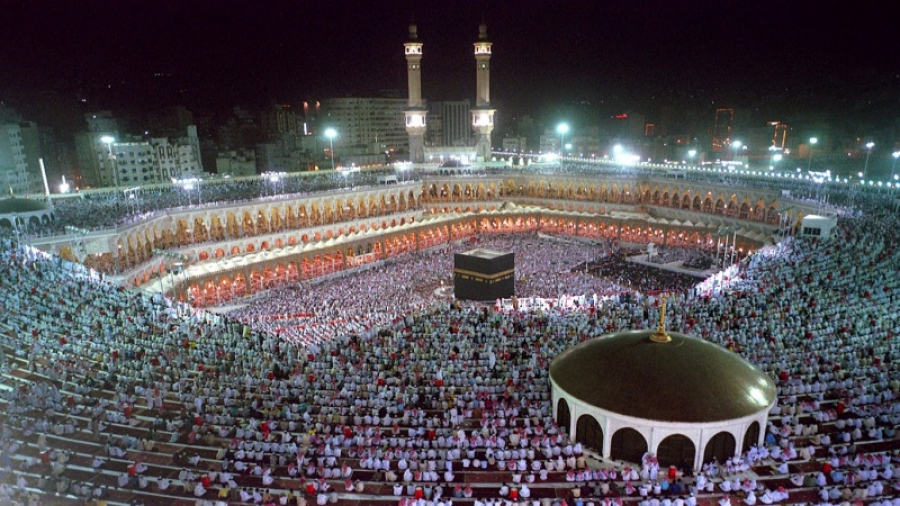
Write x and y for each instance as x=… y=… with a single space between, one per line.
x=482 y=114
x=415 y=108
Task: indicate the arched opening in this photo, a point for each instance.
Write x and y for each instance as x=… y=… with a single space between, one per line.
x=589 y=433
x=751 y=437
x=720 y=448
x=676 y=450
x=628 y=445
x=563 y=416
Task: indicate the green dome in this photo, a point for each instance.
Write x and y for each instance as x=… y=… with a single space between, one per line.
x=685 y=380
x=21 y=206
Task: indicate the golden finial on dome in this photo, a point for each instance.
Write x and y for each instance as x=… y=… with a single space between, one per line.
x=660 y=336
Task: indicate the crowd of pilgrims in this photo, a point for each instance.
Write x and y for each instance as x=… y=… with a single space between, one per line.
x=695 y=259
x=315 y=312
x=616 y=267
x=414 y=402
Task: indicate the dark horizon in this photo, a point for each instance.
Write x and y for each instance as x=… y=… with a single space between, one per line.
x=793 y=58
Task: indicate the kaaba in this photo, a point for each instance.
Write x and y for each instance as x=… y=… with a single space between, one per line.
x=483 y=274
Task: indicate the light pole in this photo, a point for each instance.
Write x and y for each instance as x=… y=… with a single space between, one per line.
x=691 y=154
x=812 y=142
x=895 y=154
x=109 y=140
x=776 y=157
x=331 y=134
x=562 y=129
x=869 y=145
x=736 y=145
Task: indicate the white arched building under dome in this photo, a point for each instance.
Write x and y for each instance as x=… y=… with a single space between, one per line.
x=681 y=398
x=26 y=215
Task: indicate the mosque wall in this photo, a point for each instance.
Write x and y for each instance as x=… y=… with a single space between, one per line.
x=234 y=230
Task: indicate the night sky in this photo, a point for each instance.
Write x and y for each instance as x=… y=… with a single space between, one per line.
x=619 y=55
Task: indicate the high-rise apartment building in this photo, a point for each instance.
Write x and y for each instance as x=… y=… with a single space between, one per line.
x=177 y=158
x=13 y=163
x=236 y=163
x=364 y=122
x=280 y=119
x=22 y=145
x=457 y=122
x=722 y=131
x=434 y=131
x=130 y=161
x=94 y=157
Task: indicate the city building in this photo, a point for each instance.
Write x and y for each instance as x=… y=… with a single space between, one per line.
x=514 y=144
x=22 y=151
x=452 y=133
x=368 y=122
x=236 y=163
x=177 y=158
x=279 y=119
x=110 y=161
x=133 y=161
x=13 y=163
x=549 y=142
x=723 y=130
x=92 y=153
x=434 y=129
x=457 y=126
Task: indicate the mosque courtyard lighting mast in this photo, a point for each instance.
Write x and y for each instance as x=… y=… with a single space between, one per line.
x=812 y=142
x=562 y=129
x=111 y=160
x=331 y=133
x=865 y=173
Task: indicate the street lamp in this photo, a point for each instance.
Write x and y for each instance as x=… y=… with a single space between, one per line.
x=109 y=140
x=331 y=134
x=562 y=129
x=869 y=145
x=736 y=145
x=895 y=154
x=691 y=154
x=777 y=157
x=812 y=142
